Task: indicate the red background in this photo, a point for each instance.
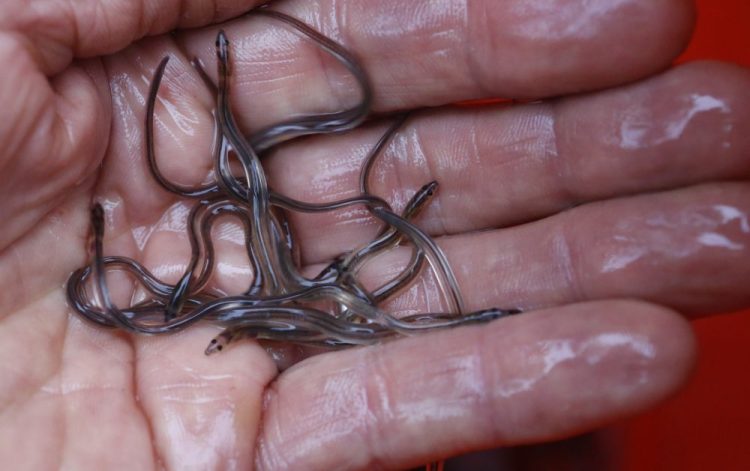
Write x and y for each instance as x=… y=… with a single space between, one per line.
x=706 y=427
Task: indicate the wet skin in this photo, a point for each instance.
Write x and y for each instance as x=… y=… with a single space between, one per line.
x=616 y=212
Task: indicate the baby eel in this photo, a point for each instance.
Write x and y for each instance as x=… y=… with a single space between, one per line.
x=257 y=196
x=300 y=324
x=318 y=123
x=436 y=257
x=416 y=262
x=322 y=123
x=390 y=237
x=314 y=327
x=179 y=190
x=422 y=242
x=229 y=308
x=101 y=289
x=276 y=306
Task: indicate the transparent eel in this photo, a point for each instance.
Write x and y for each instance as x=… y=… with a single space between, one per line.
x=315 y=327
x=439 y=262
x=225 y=308
x=319 y=123
x=256 y=196
x=274 y=305
x=278 y=133
x=179 y=190
x=389 y=237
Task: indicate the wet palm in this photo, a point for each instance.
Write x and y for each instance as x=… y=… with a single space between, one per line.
x=657 y=170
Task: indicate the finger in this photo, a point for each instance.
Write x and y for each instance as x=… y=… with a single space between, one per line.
x=688 y=249
x=535 y=377
x=56 y=32
x=502 y=166
x=423 y=53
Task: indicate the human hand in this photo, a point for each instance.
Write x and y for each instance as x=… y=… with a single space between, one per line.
x=658 y=170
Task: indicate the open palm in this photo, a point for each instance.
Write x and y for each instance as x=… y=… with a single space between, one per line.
x=636 y=192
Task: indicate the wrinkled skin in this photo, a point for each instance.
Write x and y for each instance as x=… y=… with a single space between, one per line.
x=626 y=203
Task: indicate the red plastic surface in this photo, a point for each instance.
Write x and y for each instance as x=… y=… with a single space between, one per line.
x=707 y=426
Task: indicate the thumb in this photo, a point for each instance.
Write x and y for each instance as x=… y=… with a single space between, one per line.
x=52 y=135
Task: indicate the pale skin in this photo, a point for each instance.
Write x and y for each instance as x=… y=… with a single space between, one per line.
x=655 y=160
